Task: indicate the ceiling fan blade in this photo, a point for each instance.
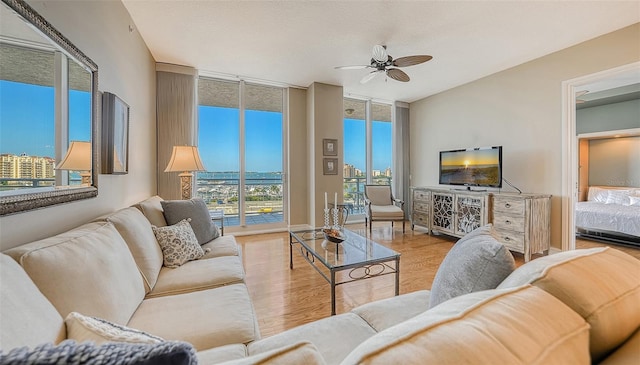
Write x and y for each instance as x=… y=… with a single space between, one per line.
x=354 y=67
x=411 y=60
x=398 y=74
x=369 y=76
x=379 y=53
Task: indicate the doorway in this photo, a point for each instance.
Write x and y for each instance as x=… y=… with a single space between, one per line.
x=604 y=80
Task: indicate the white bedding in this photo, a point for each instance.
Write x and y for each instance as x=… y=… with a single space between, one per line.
x=592 y=215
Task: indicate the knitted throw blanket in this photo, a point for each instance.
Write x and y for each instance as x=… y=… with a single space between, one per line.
x=112 y=353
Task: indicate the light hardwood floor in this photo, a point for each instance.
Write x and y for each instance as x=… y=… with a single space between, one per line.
x=285 y=298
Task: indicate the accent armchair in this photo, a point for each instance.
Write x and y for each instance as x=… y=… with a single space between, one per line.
x=380 y=205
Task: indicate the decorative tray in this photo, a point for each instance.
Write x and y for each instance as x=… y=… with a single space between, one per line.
x=334 y=235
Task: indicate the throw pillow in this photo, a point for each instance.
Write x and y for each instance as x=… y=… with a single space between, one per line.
x=476 y=263
x=178 y=243
x=83 y=328
x=70 y=352
x=196 y=209
x=598 y=195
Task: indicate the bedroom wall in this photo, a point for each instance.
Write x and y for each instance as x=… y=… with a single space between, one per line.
x=614 y=162
x=520 y=109
x=624 y=115
x=126 y=68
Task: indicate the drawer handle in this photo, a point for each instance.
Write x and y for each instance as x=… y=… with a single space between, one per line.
x=507 y=221
x=507 y=205
x=507 y=239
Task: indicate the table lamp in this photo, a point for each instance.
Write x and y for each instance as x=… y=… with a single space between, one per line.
x=185 y=159
x=78 y=158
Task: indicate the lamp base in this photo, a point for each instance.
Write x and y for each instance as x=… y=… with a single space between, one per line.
x=86 y=178
x=185 y=185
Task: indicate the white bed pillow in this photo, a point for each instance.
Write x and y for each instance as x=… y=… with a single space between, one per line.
x=620 y=197
x=598 y=195
x=634 y=200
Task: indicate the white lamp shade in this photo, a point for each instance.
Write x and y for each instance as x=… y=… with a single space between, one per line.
x=185 y=158
x=78 y=157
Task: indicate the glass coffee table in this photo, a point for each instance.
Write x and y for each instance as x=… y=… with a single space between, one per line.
x=363 y=258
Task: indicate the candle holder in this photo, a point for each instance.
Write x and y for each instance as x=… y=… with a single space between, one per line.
x=326 y=218
x=336 y=223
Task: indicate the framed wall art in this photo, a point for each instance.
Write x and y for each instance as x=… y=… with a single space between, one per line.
x=330 y=166
x=115 y=135
x=329 y=147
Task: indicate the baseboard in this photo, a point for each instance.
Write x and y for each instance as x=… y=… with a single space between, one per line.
x=554 y=250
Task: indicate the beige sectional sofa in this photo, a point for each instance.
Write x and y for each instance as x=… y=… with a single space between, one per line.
x=574 y=307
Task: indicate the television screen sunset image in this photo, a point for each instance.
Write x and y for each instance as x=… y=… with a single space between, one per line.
x=470 y=167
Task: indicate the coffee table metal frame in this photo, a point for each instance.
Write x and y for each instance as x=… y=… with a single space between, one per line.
x=311 y=256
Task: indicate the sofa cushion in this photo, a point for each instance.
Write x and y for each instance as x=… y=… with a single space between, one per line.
x=627 y=354
x=135 y=228
x=334 y=337
x=196 y=209
x=298 y=353
x=199 y=275
x=70 y=352
x=152 y=209
x=89 y=270
x=388 y=312
x=205 y=318
x=524 y=325
x=221 y=246
x=476 y=262
x=27 y=318
x=600 y=284
x=220 y=354
x=83 y=328
x=178 y=243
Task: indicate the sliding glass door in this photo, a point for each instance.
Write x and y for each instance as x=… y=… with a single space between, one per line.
x=240 y=138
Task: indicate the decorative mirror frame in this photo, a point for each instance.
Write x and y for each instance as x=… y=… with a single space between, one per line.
x=20 y=202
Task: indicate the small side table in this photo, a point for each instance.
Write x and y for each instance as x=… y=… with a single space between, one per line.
x=218 y=215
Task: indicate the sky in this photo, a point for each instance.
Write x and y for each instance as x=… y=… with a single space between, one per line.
x=219 y=133
x=29 y=108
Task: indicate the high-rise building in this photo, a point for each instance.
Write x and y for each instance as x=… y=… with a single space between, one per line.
x=387 y=172
x=349 y=170
x=26 y=167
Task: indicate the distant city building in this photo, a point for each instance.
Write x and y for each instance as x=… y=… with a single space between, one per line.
x=387 y=172
x=376 y=173
x=349 y=170
x=26 y=167
x=358 y=172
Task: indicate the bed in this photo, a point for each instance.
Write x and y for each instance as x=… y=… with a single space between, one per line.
x=610 y=213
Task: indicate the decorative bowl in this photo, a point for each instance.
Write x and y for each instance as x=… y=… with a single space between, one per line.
x=333 y=235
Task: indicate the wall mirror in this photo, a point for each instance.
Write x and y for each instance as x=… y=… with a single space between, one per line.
x=48 y=114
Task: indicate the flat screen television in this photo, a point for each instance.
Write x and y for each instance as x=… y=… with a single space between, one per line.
x=472 y=167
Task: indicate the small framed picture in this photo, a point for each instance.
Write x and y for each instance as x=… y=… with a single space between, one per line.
x=329 y=147
x=330 y=166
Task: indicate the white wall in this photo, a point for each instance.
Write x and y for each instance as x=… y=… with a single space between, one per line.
x=624 y=115
x=614 y=161
x=127 y=69
x=520 y=109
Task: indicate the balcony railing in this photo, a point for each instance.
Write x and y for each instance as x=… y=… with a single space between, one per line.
x=354 y=191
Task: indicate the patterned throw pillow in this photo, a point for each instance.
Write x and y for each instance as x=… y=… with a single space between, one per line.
x=178 y=243
x=83 y=328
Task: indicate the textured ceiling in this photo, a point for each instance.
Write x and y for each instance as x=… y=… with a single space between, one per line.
x=300 y=42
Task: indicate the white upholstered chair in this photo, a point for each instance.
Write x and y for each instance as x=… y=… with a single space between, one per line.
x=381 y=206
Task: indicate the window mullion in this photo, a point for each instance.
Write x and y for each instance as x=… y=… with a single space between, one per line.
x=368 y=143
x=241 y=144
x=61 y=112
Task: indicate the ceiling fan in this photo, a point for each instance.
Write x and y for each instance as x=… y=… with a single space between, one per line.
x=381 y=62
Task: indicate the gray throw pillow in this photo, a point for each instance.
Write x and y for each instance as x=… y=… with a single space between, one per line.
x=196 y=209
x=476 y=262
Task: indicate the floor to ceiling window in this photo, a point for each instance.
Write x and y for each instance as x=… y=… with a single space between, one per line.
x=240 y=138
x=367 y=149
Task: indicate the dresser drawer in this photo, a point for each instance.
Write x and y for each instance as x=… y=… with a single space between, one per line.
x=421 y=219
x=508 y=205
x=512 y=240
x=420 y=207
x=421 y=195
x=509 y=222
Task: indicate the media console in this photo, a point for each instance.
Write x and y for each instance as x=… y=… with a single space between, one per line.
x=521 y=221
